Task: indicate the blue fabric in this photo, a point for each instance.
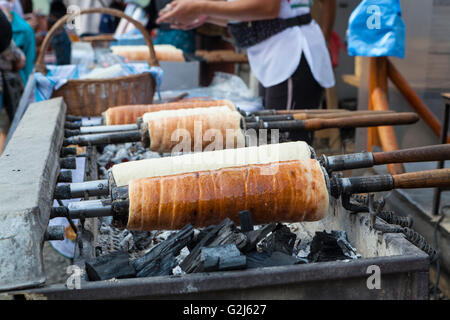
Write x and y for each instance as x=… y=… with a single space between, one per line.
x=184 y=40
x=57 y=76
x=376 y=29
x=23 y=36
x=129 y=39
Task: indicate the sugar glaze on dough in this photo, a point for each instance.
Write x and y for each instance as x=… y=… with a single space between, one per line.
x=124 y=172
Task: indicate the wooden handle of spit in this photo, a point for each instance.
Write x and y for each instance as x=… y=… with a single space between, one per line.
x=335 y=115
x=438 y=178
x=438 y=152
x=362 y=121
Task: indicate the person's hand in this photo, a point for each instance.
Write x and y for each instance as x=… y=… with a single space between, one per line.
x=195 y=24
x=19 y=64
x=180 y=12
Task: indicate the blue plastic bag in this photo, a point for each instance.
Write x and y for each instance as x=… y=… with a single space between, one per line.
x=376 y=28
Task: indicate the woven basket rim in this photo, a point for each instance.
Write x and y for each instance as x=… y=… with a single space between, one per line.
x=107 y=80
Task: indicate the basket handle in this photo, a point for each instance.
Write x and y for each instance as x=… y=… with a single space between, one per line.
x=40 y=66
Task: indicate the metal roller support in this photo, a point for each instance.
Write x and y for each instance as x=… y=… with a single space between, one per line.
x=104 y=138
x=277 y=117
x=65 y=176
x=72 y=125
x=83 y=209
x=337 y=187
x=347 y=161
x=72 y=118
x=115 y=128
x=286 y=125
x=68 y=163
x=348 y=186
x=68 y=152
x=55 y=233
x=74 y=129
x=70 y=133
x=330 y=164
x=368 y=159
x=80 y=189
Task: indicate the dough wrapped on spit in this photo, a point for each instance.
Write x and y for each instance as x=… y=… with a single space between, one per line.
x=124 y=172
x=289 y=191
x=187 y=130
x=130 y=113
x=163 y=52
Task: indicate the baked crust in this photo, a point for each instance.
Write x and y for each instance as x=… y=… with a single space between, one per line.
x=294 y=191
x=129 y=114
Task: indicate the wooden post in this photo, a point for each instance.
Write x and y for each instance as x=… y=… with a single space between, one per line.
x=413 y=99
x=378 y=101
x=372 y=133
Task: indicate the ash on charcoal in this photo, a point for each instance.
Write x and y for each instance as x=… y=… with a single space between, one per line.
x=257 y=259
x=161 y=258
x=221 y=234
x=345 y=245
x=177 y=271
x=303 y=249
x=221 y=258
x=111 y=239
x=114 y=265
x=330 y=247
x=117 y=153
x=127 y=242
x=281 y=239
x=183 y=254
x=142 y=239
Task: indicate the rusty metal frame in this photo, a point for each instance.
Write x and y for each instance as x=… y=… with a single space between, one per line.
x=403 y=276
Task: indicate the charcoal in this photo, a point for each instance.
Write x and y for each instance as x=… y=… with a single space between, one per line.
x=281 y=239
x=257 y=259
x=344 y=244
x=192 y=261
x=172 y=245
x=282 y=259
x=203 y=232
x=221 y=258
x=162 y=266
x=228 y=234
x=114 y=265
x=208 y=264
x=142 y=239
x=233 y=263
x=231 y=235
x=221 y=234
x=254 y=236
x=329 y=247
x=245 y=219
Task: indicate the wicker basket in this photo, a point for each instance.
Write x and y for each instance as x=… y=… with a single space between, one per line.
x=90 y=97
